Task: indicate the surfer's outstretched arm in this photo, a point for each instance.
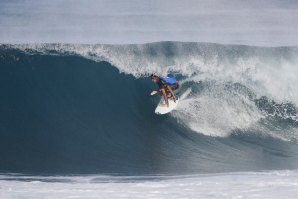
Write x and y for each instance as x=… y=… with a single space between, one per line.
x=153 y=92
x=163 y=92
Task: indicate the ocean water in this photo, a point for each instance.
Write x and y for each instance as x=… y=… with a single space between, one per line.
x=78 y=121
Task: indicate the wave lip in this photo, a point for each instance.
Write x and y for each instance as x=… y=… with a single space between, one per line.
x=258 y=68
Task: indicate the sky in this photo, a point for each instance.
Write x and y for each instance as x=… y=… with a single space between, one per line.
x=252 y=22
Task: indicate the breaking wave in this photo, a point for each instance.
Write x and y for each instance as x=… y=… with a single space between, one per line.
x=87 y=108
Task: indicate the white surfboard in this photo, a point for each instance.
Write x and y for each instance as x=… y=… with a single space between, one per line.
x=163 y=109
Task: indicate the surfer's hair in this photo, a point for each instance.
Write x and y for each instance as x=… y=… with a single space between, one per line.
x=153 y=75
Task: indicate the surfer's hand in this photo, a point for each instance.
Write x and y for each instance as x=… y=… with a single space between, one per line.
x=174 y=98
x=153 y=92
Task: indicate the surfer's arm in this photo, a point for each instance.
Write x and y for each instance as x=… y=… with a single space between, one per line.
x=171 y=91
x=163 y=92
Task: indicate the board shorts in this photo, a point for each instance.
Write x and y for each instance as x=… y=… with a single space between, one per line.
x=175 y=86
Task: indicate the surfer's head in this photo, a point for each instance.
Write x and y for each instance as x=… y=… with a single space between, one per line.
x=154 y=77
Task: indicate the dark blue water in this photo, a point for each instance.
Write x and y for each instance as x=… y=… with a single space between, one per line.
x=65 y=114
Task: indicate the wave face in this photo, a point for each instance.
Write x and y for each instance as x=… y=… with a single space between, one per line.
x=87 y=109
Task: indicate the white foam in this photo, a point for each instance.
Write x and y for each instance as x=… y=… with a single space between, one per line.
x=263 y=185
x=215 y=112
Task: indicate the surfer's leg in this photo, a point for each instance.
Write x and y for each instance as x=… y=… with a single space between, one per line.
x=165 y=91
x=164 y=94
x=160 y=91
x=168 y=93
x=173 y=87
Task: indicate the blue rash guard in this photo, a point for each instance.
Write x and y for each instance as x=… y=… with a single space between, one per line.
x=167 y=81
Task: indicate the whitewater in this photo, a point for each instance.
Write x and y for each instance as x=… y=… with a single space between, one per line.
x=278 y=184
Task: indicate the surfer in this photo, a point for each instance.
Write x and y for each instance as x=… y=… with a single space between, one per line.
x=166 y=86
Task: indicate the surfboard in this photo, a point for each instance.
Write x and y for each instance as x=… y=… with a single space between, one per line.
x=163 y=109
